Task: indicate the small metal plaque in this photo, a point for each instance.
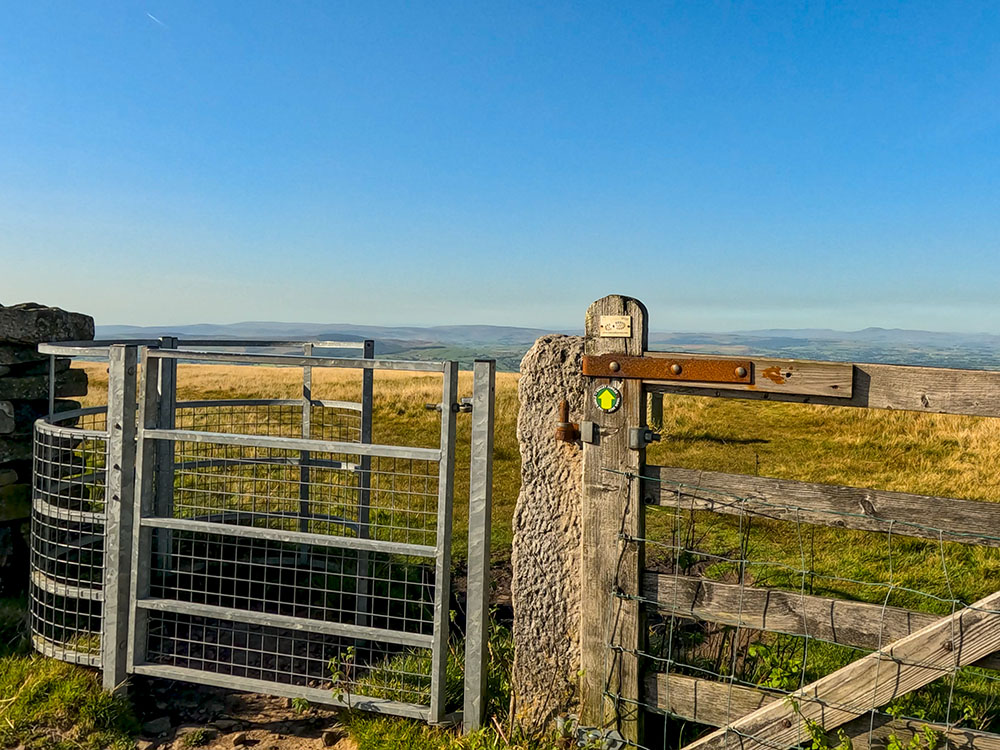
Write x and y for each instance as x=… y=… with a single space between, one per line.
x=608 y=399
x=615 y=326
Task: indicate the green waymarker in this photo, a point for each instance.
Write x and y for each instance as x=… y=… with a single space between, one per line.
x=608 y=399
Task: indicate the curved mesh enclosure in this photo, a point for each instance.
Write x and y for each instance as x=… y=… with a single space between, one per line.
x=67 y=536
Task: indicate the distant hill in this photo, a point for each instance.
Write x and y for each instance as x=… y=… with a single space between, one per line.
x=508 y=344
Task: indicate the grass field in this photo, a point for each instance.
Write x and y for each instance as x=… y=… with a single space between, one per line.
x=928 y=454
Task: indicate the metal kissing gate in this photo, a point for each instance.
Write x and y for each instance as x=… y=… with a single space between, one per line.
x=263 y=545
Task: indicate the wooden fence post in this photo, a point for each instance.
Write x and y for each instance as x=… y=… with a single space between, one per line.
x=613 y=629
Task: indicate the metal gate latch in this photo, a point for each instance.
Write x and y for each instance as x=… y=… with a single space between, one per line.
x=464 y=406
x=640 y=437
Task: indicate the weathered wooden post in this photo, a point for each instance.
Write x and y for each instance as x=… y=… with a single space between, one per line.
x=612 y=521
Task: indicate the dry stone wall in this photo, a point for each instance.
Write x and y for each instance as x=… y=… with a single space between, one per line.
x=24 y=392
x=546 y=551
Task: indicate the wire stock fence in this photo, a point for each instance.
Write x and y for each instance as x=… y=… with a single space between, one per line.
x=768 y=613
x=742 y=614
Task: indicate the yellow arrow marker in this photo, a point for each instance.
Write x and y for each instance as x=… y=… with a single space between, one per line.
x=608 y=399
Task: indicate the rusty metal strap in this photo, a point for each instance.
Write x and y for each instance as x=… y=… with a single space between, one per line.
x=663 y=368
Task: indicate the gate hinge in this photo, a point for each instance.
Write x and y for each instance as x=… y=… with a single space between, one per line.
x=640 y=437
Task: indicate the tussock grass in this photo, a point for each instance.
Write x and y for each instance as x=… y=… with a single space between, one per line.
x=399 y=418
x=48 y=704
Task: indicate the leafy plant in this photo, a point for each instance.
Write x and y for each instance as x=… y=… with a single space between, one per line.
x=818 y=735
x=774 y=669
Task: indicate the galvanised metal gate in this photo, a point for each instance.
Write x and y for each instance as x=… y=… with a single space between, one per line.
x=271 y=546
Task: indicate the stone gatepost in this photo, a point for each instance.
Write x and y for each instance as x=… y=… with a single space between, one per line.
x=546 y=552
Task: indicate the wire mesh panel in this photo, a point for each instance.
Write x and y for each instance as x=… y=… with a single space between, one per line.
x=262 y=486
x=352 y=670
x=275 y=548
x=334 y=421
x=67 y=536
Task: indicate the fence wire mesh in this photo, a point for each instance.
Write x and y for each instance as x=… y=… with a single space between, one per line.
x=352 y=669
x=336 y=423
x=749 y=607
x=312 y=610
x=67 y=537
x=389 y=499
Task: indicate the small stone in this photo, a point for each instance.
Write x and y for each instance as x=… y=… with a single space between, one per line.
x=31 y=323
x=12 y=354
x=239 y=739
x=15 y=502
x=157 y=727
x=225 y=725
x=12 y=449
x=6 y=417
x=332 y=736
x=68 y=383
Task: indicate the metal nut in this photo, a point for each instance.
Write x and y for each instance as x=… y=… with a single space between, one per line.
x=614 y=366
x=741 y=372
x=675 y=369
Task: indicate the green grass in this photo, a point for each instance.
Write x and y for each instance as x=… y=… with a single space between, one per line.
x=55 y=706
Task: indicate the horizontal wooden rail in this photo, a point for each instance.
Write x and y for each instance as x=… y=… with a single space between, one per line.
x=869 y=682
x=842 y=621
x=717 y=703
x=953 y=520
x=934 y=390
x=796 y=377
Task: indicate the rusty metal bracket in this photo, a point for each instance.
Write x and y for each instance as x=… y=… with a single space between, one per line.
x=668 y=368
x=566 y=431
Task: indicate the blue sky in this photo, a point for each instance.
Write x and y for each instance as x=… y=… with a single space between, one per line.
x=733 y=165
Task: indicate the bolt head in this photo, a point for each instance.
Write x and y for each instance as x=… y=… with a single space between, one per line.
x=675 y=369
x=741 y=372
x=614 y=367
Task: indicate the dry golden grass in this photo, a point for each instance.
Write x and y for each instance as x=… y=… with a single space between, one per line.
x=925 y=453
x=399 y=418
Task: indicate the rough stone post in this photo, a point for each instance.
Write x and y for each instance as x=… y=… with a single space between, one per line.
x=546 y=552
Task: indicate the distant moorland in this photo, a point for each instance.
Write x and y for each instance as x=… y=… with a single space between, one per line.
x=508 y=344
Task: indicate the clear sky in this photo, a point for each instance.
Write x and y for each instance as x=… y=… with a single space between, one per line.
x=733 y=165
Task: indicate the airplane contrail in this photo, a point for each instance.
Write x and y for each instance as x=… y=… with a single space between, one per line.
x=157 y=20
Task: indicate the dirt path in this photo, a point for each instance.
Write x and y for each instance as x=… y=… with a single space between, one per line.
x=180 y=717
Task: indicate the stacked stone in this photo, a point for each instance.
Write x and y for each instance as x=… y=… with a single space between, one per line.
x=24 y=393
